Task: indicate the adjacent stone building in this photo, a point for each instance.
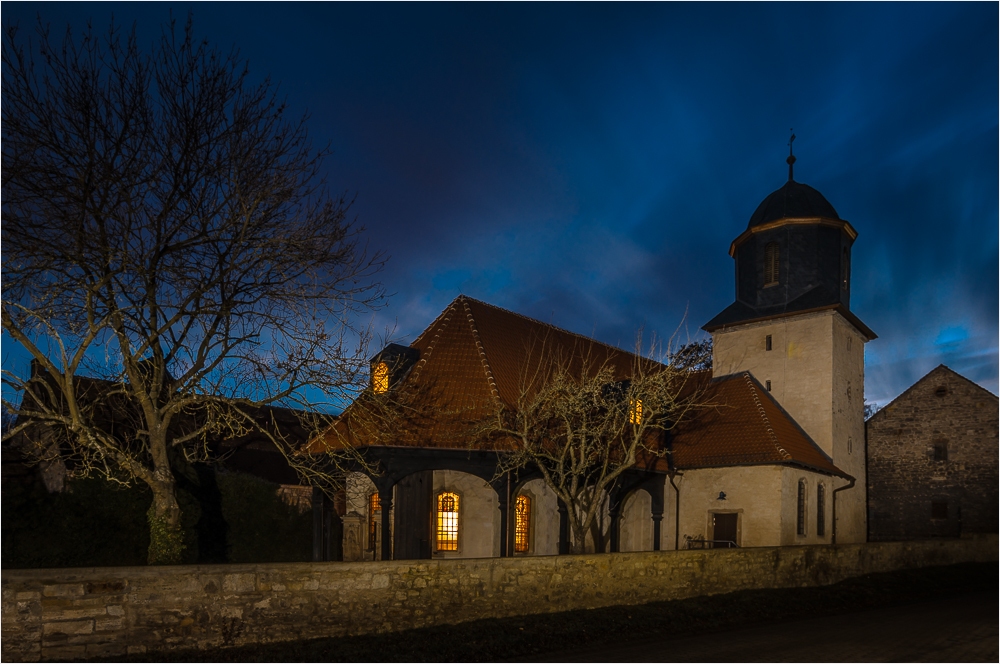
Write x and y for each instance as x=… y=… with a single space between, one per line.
x=932 y=461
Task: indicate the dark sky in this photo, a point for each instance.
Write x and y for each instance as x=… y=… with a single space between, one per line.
x=588 y=165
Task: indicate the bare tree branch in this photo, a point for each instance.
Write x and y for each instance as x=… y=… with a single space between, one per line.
x=167 y=231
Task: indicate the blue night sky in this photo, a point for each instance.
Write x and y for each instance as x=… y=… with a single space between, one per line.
x=588 y=165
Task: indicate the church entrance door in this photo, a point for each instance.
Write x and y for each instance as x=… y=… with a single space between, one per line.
x=724 y=530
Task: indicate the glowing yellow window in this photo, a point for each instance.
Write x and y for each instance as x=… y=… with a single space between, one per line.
x=447 y=521
x=380 y=378
x=374 y=508
x=522 y=524
x=635 y=411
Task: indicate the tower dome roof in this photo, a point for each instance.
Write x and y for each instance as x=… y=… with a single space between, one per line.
x=793 y=200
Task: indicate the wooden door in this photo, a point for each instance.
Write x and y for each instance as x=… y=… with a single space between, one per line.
x=724 y=530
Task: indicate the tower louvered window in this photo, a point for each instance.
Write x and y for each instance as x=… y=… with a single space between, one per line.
x=772 y=257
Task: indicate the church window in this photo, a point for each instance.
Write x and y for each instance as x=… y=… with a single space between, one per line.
x=939 y=509
x=522 y=524
x=767 y=385
x=845 y=270
x=771 y=261
x=821 y=510
x=767 y=342
x=380 y=378
x=635 y=411
x=374 y=507
x=800 y=522
x=941 y=450
x=447 y=521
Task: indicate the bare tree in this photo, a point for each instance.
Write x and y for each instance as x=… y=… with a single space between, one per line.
x=167 y=231
x=584 y=416
x=694 y=356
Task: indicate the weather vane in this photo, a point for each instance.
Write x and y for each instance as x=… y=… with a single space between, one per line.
x=791 y=157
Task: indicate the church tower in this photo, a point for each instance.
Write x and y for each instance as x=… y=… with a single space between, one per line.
x=791 y=327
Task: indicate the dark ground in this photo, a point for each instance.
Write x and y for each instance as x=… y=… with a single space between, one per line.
x=585 y=634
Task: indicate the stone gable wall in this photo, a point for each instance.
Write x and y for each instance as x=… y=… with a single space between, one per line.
x=102 y=612
x=903 y=477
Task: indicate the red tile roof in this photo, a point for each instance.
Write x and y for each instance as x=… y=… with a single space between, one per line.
x=475 y=356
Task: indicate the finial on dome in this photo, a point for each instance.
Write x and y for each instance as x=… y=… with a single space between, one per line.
x=791 y=157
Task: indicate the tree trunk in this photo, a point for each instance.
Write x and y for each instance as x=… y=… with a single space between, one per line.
x=166 y=537
x=579 y=540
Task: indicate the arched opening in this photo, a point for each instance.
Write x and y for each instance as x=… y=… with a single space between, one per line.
x=636 y=522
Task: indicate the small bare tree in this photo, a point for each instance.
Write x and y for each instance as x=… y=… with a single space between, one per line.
x=584 y=416
x=167 y=231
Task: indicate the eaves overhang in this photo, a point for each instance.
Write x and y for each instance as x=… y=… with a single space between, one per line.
x=844 y=226
x=839 y=308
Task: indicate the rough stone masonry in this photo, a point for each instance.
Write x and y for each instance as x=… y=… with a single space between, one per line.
x=100 y=612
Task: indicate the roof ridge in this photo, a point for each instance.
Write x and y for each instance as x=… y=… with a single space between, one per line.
x=479 y=347
x=554 y=327
x=763 y=416
x=444 y=317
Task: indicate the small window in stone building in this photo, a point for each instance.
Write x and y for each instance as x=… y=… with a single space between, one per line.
x=767 y=385
x=941 y=450
x=939 y=509
x=522 y=524
x=941 y=391
x=771 y=262
x=374 y=508
x=447 y=521
x=821 y=510
x=850 y=445
x=767 y=342
x=800 y=525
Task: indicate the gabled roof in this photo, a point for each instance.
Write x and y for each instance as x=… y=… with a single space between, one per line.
x=475 y=356
x=938 y=373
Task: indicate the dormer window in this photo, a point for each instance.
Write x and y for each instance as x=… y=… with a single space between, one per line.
x=380 y=378
x=772 y=257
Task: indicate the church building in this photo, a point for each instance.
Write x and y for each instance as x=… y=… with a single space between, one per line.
x=778 y=460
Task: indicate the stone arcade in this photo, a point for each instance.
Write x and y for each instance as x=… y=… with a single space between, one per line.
x=781 y=462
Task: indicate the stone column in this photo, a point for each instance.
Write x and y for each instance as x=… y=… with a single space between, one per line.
x=385 y=499
x=502 y=488
x=563 y=529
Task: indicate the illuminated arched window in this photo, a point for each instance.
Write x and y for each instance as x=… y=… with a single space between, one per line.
x=374 y=508
x=635 y=411
x=771 y=262
x=447 y=521
x=522 y=524
x=380 y=378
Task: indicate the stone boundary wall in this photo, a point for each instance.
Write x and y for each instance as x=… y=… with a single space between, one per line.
x=61 y=614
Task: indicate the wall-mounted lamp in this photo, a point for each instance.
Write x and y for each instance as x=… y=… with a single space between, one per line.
x=722 y=495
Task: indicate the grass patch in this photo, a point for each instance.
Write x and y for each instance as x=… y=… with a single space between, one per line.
x=526 y=637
